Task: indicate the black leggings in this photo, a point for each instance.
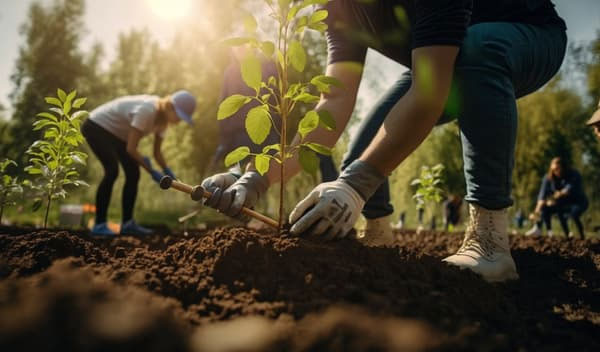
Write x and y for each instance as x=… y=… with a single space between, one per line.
x=564 y=211
x=110 y=150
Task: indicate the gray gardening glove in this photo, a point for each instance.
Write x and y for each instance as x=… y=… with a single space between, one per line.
x=332 y=208
x=216 y=185
x=245 y=192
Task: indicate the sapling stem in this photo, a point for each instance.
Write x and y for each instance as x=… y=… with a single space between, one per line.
x=47 y=211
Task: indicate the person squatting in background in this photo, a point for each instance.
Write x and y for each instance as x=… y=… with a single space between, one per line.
x=561 y=193
x=113 y=132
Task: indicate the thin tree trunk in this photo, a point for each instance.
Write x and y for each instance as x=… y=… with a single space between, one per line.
x=282 y=169
x=47 y=211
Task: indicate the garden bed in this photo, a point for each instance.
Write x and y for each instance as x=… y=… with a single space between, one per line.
x=234 y=289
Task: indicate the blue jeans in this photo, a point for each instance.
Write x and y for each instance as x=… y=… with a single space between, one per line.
x=497 y=63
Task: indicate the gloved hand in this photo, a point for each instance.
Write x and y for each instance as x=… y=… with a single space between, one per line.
x=148 y=162
x=336 y=205
x=156 y=176
x=216 y=184
x=335 y=208
x=229 y=198
x=168 y=172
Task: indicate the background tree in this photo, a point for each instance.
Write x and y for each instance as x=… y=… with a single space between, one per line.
x=49 y=58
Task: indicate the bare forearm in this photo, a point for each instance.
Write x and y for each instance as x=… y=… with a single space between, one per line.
x=138 y=158
x=160 y=159
x=413 y=116
x=405 y=128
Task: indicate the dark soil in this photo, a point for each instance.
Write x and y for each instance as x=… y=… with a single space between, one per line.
x=238 y=290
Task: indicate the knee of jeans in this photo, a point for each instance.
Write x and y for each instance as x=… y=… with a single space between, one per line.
x=479 y=51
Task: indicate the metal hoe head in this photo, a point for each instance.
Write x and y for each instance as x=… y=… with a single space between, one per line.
x=166 y=182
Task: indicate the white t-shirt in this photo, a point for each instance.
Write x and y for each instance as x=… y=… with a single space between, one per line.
x=120 y=115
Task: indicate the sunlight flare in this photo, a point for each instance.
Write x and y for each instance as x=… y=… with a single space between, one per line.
x=170 y=9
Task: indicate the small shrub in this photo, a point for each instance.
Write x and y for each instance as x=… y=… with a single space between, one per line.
x=53 y=158
x=9 y=186
x=429 y=192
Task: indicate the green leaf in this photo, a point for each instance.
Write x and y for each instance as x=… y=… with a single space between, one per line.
x=236 y=156
x=39 y=124
x=78 y=115
x=297 y=55
x=319 y=148
x=51 y=133
x=58 y=111
x=323 y=83
x=301 y=24
x=293 y=12
x=32 y=170
x=318 y=16
x=308 y=160
x=272 y=82
x=250 y=23
x=293 y=90
x=71 y=96
x=258 y=124
x=268 y=48
x=415 y=182
x=261 y=162
x=48 y=116
x=231 y=105
x=37 y=204
x=79 y=102
x=309 y=123
x=54 y=101
x=326 y=120
x=67 y=107
x=280 y=58
x=78 y=159
x=252 y=72
x=270 y=147
x=265 y=98
x=307 y=98
x=319 y=26
x=61 y=95
x=81 y=183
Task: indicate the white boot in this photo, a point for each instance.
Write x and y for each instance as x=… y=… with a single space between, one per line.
x=485 y=249
x=535 y=231
x=377 y=232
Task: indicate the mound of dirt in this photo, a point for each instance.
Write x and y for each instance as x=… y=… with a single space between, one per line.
x=298 y=294
x=72 y=308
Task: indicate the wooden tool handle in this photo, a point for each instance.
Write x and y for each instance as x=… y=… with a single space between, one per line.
x=167 y=182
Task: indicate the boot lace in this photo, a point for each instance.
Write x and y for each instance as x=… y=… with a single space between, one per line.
x=479 y=236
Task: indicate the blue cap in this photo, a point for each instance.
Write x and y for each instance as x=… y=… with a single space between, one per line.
x=184 y=104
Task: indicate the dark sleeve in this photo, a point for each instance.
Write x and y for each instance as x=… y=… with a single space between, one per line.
x=544 y=188
x=341 y=23
x=574 y=183
x=441 y=22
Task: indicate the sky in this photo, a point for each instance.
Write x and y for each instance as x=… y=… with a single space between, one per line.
x=105 y=19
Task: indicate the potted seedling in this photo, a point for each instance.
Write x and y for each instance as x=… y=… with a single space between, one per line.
x=53 y=158
x=276 y=94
